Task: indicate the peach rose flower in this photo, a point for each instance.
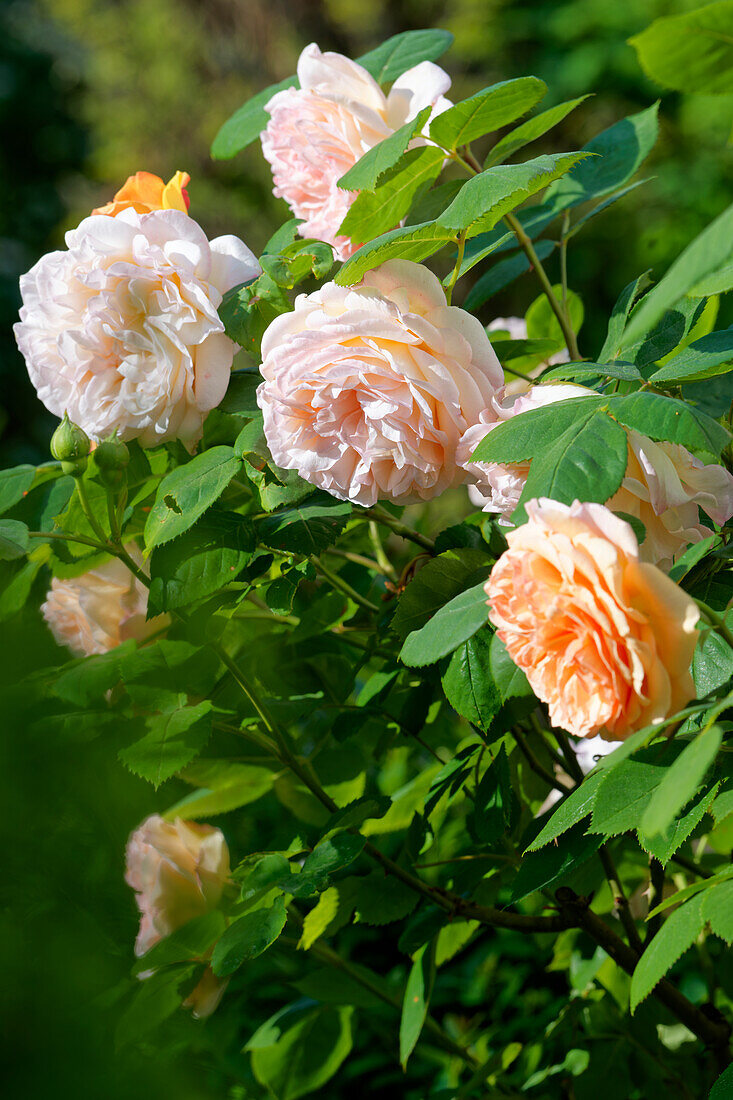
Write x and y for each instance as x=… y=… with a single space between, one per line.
x=121 y=329
x=664 y=485
x=604 y=639
x=100 y=609
x=368 y=389
x=320 y=130
x=144 y=192
x=178 y=870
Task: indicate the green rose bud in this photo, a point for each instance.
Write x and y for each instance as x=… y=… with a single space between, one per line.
x=112 y=457
x=70 y=445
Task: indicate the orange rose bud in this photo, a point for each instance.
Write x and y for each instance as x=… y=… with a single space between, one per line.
x=144 y=192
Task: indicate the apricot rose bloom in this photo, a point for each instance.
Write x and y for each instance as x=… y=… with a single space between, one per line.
x=603 y=638
x=100 y=609
x=121 y=328
x=368 y=389
x=664 y=485
x=178 y=870
x=320 y=130
x=144 y=192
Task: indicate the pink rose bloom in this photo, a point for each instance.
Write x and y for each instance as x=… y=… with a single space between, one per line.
x=121 y=329
x=100 y=609
x=320 y=130
x=368 y=389
x=604 y=639
x=663 y=487
x=178 y=870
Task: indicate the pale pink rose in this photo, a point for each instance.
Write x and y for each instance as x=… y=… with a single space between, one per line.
x=604 y=639
x=100 y=609
x=121 y=329
x=206 y=997
x=663 y=487
x=320 y=130
x=368 y=389
x=178 y=870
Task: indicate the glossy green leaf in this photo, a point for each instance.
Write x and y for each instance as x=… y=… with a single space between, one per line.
x=201 y=561
x=411 y=242
x=304 y=1051
x=305 y=528
x=403 y=51
x=418 y=990
x=449 y=628
x=677 y=934
x=571 y=810
x=617 y=323
x=704 y=358
x=14 y=540
x=484 y=200
x=222 y=786
x=247 y=123
x=375 y=212
x=468 y=683
x=486 y=111
x=531 y=432
x=367 y=171
x=680 y=782
x=502 y=274
x=530 y=130
x=14 y=484
x=623 y=795
x=440 y=579
x=666 y=418
x=185 y=494
x=247 y=937
x=174 y=737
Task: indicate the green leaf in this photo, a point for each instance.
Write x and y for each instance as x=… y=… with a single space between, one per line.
x=247 y=311
x=262 y=877
x=155 y=999
x=416 y=1000
x=486 y=111
x=484 y=200
x=690 y=891
x=241 y=396
x=298 y=261
x=375 y=212
x=502 y=274
x=247 y=937
x=676 y=935
x=305 y=528
x=222 y=786
x=14 y=484
x=723 y=1087
x=681 y=781
x=247 y=123
x=692 y=52
x=317 y=921
x=468 y=683
x=704 y=358
x=542 y=324
x=334 y=987
x=664 y=845
x=625 y=372
x=531 y=432
x=494 y=802
x=508 y=351
x=186 y=944
x=707 y=254
x=666 y=418
x=367 y=171
x=510 y=681
x=720 y=282
x=570 y=811
x=530 y=130
x=304 y=1051
x=717 y=909
x=670 y=333
x=14 y=540
x=401 y=52
x=382 y=899
x=439 y=580
x=411 y=242
x=450 y=627
x=201 y=561
x=587 y=462
x=617 y=323
x=91 y=677
x=16 y=592
x=186 y=492
x=612 y=159
x=542 y=870
x=174 y=738
x=623 y=794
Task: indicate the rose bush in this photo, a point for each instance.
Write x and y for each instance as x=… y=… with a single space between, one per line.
x=425 y=830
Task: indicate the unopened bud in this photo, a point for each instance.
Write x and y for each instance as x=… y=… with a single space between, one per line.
x=70 y=445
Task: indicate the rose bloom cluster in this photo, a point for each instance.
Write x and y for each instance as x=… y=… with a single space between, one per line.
x=379 y=391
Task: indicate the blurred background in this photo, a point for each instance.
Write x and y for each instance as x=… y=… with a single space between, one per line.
x=91 y=91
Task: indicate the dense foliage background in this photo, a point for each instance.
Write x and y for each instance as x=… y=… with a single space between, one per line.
x=89 y=92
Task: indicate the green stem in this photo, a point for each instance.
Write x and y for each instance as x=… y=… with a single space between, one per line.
x=66 y=537
x=384 y=563
x=338 y=582
x=382 y=516
x=87 y=510
x=716 y=621
x=525 y=243
x=457 y=268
